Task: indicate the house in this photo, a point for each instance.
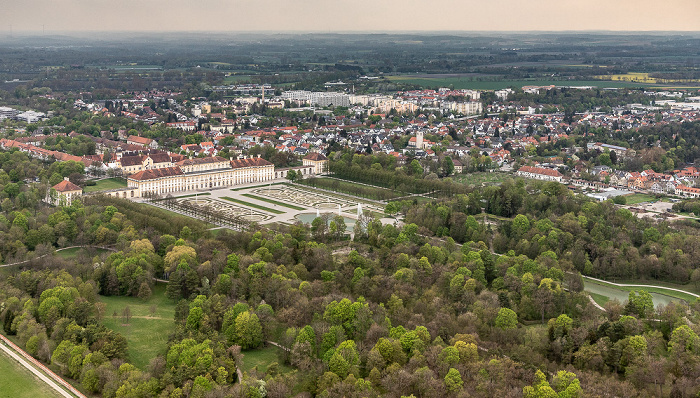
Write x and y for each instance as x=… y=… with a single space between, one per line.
x=459 y=167
x=318 y=161
x=142 y=141
x=687 y=192
x=64 y=192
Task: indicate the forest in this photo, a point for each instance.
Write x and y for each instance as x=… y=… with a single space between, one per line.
x=478 y=293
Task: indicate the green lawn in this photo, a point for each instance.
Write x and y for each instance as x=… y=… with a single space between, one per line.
x=257 y=186
x=481 y=178
x=659 y=290
x=73 y=252
x=253 y=205
x=599 y=298
x=274 y=202
x=18 y=382
x=262 y=358
x=106 y=184
x=352 y=188
x=639 y=198
x=147 y=332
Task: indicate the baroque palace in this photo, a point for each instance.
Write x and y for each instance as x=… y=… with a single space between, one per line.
x=210 y=173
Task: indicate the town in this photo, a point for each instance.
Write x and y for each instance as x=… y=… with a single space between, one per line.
x=275 y=215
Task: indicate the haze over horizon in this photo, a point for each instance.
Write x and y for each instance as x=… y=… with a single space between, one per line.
x=58 y=16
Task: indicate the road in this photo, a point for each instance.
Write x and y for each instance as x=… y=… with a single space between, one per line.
x=36 y=372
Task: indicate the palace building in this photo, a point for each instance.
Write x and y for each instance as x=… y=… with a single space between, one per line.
x=202 y=173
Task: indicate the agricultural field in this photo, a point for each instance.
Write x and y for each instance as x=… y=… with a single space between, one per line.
x=18 y=382
x=106 y=184
x=641 y=77
x=469 y=83
x=151 y=322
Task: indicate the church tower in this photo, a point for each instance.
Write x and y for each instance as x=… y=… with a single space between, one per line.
x=419 y=140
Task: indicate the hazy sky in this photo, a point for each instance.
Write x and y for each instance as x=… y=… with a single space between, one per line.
x=346 y=15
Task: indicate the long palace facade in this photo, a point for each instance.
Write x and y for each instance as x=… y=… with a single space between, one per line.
x=203 y=173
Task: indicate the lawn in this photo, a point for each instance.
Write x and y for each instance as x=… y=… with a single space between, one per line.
x=481 y=178
x=599 y=298
x=73 y=252
x=257 y=186
x=147 y=331
x=639 y=198
x=106 y=184
x=253 y=205
x=352 y=188
x=18 y=382
x=274 y=202
x=262 y=358
x=623 y=290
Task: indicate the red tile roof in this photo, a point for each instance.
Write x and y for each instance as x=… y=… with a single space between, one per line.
x=65 y=186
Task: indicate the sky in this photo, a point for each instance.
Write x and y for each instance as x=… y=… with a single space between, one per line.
x=54 y=16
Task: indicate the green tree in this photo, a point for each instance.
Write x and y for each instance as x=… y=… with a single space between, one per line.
x=453 y=380
x=506 y=319
x=248 y=331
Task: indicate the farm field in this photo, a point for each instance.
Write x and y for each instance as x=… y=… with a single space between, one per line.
x=106 y=184
x=642 y=77
x=147 y=331
x=18 y=382
x=468 y=83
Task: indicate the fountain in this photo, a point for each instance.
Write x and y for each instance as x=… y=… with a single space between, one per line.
x=338 y=208
x=318 y=213
x=359 y=210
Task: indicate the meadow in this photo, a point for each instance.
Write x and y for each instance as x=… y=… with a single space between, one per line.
x=106 y=184
x=151 y=322
x=18 y=382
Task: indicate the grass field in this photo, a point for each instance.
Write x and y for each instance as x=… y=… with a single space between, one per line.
x=73 y=252
x=658 y=290
x=599 y=298
x=274 y=202
x=18 y=382
x=106 y=184
x=147 y=332
x=262 y=358
x=639 y=198
x=469 y=83
x=481 y=178
x=257 y=186
x=253 y=205
x=352 y=188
